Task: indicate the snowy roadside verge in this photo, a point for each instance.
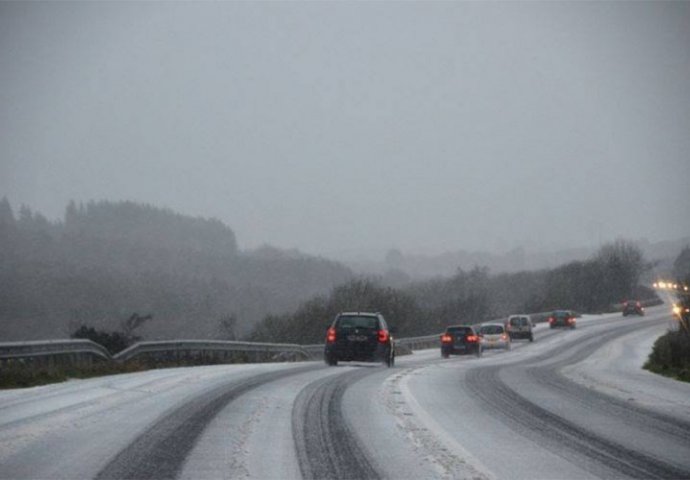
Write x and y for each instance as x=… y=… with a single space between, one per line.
x=431 y=441
x=616 y=370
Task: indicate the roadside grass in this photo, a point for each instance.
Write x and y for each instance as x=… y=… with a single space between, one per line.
x=671 y=356
x=30 y=374
x=22 y=376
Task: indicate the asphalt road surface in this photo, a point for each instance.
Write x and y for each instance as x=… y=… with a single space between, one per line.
x=573 y=404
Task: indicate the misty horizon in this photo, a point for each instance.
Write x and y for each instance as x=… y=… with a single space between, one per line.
x=377 y=261
x=342 y=127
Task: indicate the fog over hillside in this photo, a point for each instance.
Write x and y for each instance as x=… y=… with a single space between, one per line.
x=398 y=266
x=108 y=260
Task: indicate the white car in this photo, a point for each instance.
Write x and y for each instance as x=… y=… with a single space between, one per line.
x=494 y=335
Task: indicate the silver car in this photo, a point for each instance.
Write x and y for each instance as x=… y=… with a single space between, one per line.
x=494 y=335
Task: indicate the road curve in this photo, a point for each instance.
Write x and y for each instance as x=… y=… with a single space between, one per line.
x=570 y=405
x=525 y=407
x=162 y=449
x=326 y=445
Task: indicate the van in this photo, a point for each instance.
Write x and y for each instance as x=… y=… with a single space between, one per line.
x=520 y=326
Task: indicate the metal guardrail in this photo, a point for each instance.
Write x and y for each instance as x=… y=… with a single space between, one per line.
x=418 y=343
x=178 y=346
x=645 y=303
x=401 y=344
x=82 y=350
x=213 y=348
x=314 y=350
x=39 y=348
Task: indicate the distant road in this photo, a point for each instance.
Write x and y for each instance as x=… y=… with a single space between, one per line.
x=573 y=404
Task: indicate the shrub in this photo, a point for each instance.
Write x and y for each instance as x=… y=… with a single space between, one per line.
x=671 y=356
x=113 y=341
x=22 y=376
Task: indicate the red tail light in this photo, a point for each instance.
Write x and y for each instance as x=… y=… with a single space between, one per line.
x=383 y=336
x=446 y=338
x=551 y=319
x=639 y=305
x=504 y=337
x=330 y=335
x=472 y=338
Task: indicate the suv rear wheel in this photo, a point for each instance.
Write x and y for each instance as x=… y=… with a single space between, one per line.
x=391 y=360
x=331 y=361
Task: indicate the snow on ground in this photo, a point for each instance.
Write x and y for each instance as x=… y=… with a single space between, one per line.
x=415 y=420
x=616 y=369
x=252 y=436
x=71 y=430
x=459 y=439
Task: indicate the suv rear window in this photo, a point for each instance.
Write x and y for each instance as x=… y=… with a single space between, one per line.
x=459 y=330
x=357 y=321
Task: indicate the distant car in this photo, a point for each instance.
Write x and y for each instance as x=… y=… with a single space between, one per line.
x=460 y=339
x=520 y=326
x=562 y=318
x=632 y=307
x=494 y=335
x=681 y=310
x=360 y=337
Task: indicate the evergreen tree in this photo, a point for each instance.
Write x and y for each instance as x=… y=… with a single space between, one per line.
x=7 y=220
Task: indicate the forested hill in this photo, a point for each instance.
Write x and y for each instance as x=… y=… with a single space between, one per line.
x=106 y=261
x=147 y=226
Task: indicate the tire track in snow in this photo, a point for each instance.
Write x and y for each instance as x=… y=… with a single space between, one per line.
x=560 y=435
x=160 y=452
x=326 y=447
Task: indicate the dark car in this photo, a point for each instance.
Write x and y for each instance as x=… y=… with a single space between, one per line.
x=360 y=337
x=460 y=339
x=632 y=307
x=562 y=318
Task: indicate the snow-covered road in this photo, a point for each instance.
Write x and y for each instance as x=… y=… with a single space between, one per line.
x=573 y=404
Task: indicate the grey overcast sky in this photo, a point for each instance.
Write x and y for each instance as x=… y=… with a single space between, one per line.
x=425 y=126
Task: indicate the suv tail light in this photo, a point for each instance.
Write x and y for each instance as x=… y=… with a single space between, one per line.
x=551 y=319
x=383 y=336
x=445 y=338
x=472 y=338
x=330 y=335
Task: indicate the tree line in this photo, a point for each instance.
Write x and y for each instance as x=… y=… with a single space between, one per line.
x=106 y=260
x=426 y=307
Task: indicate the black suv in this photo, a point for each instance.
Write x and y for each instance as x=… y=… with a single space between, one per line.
x=359 y=336
x=459 y=339
x=632 y=307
